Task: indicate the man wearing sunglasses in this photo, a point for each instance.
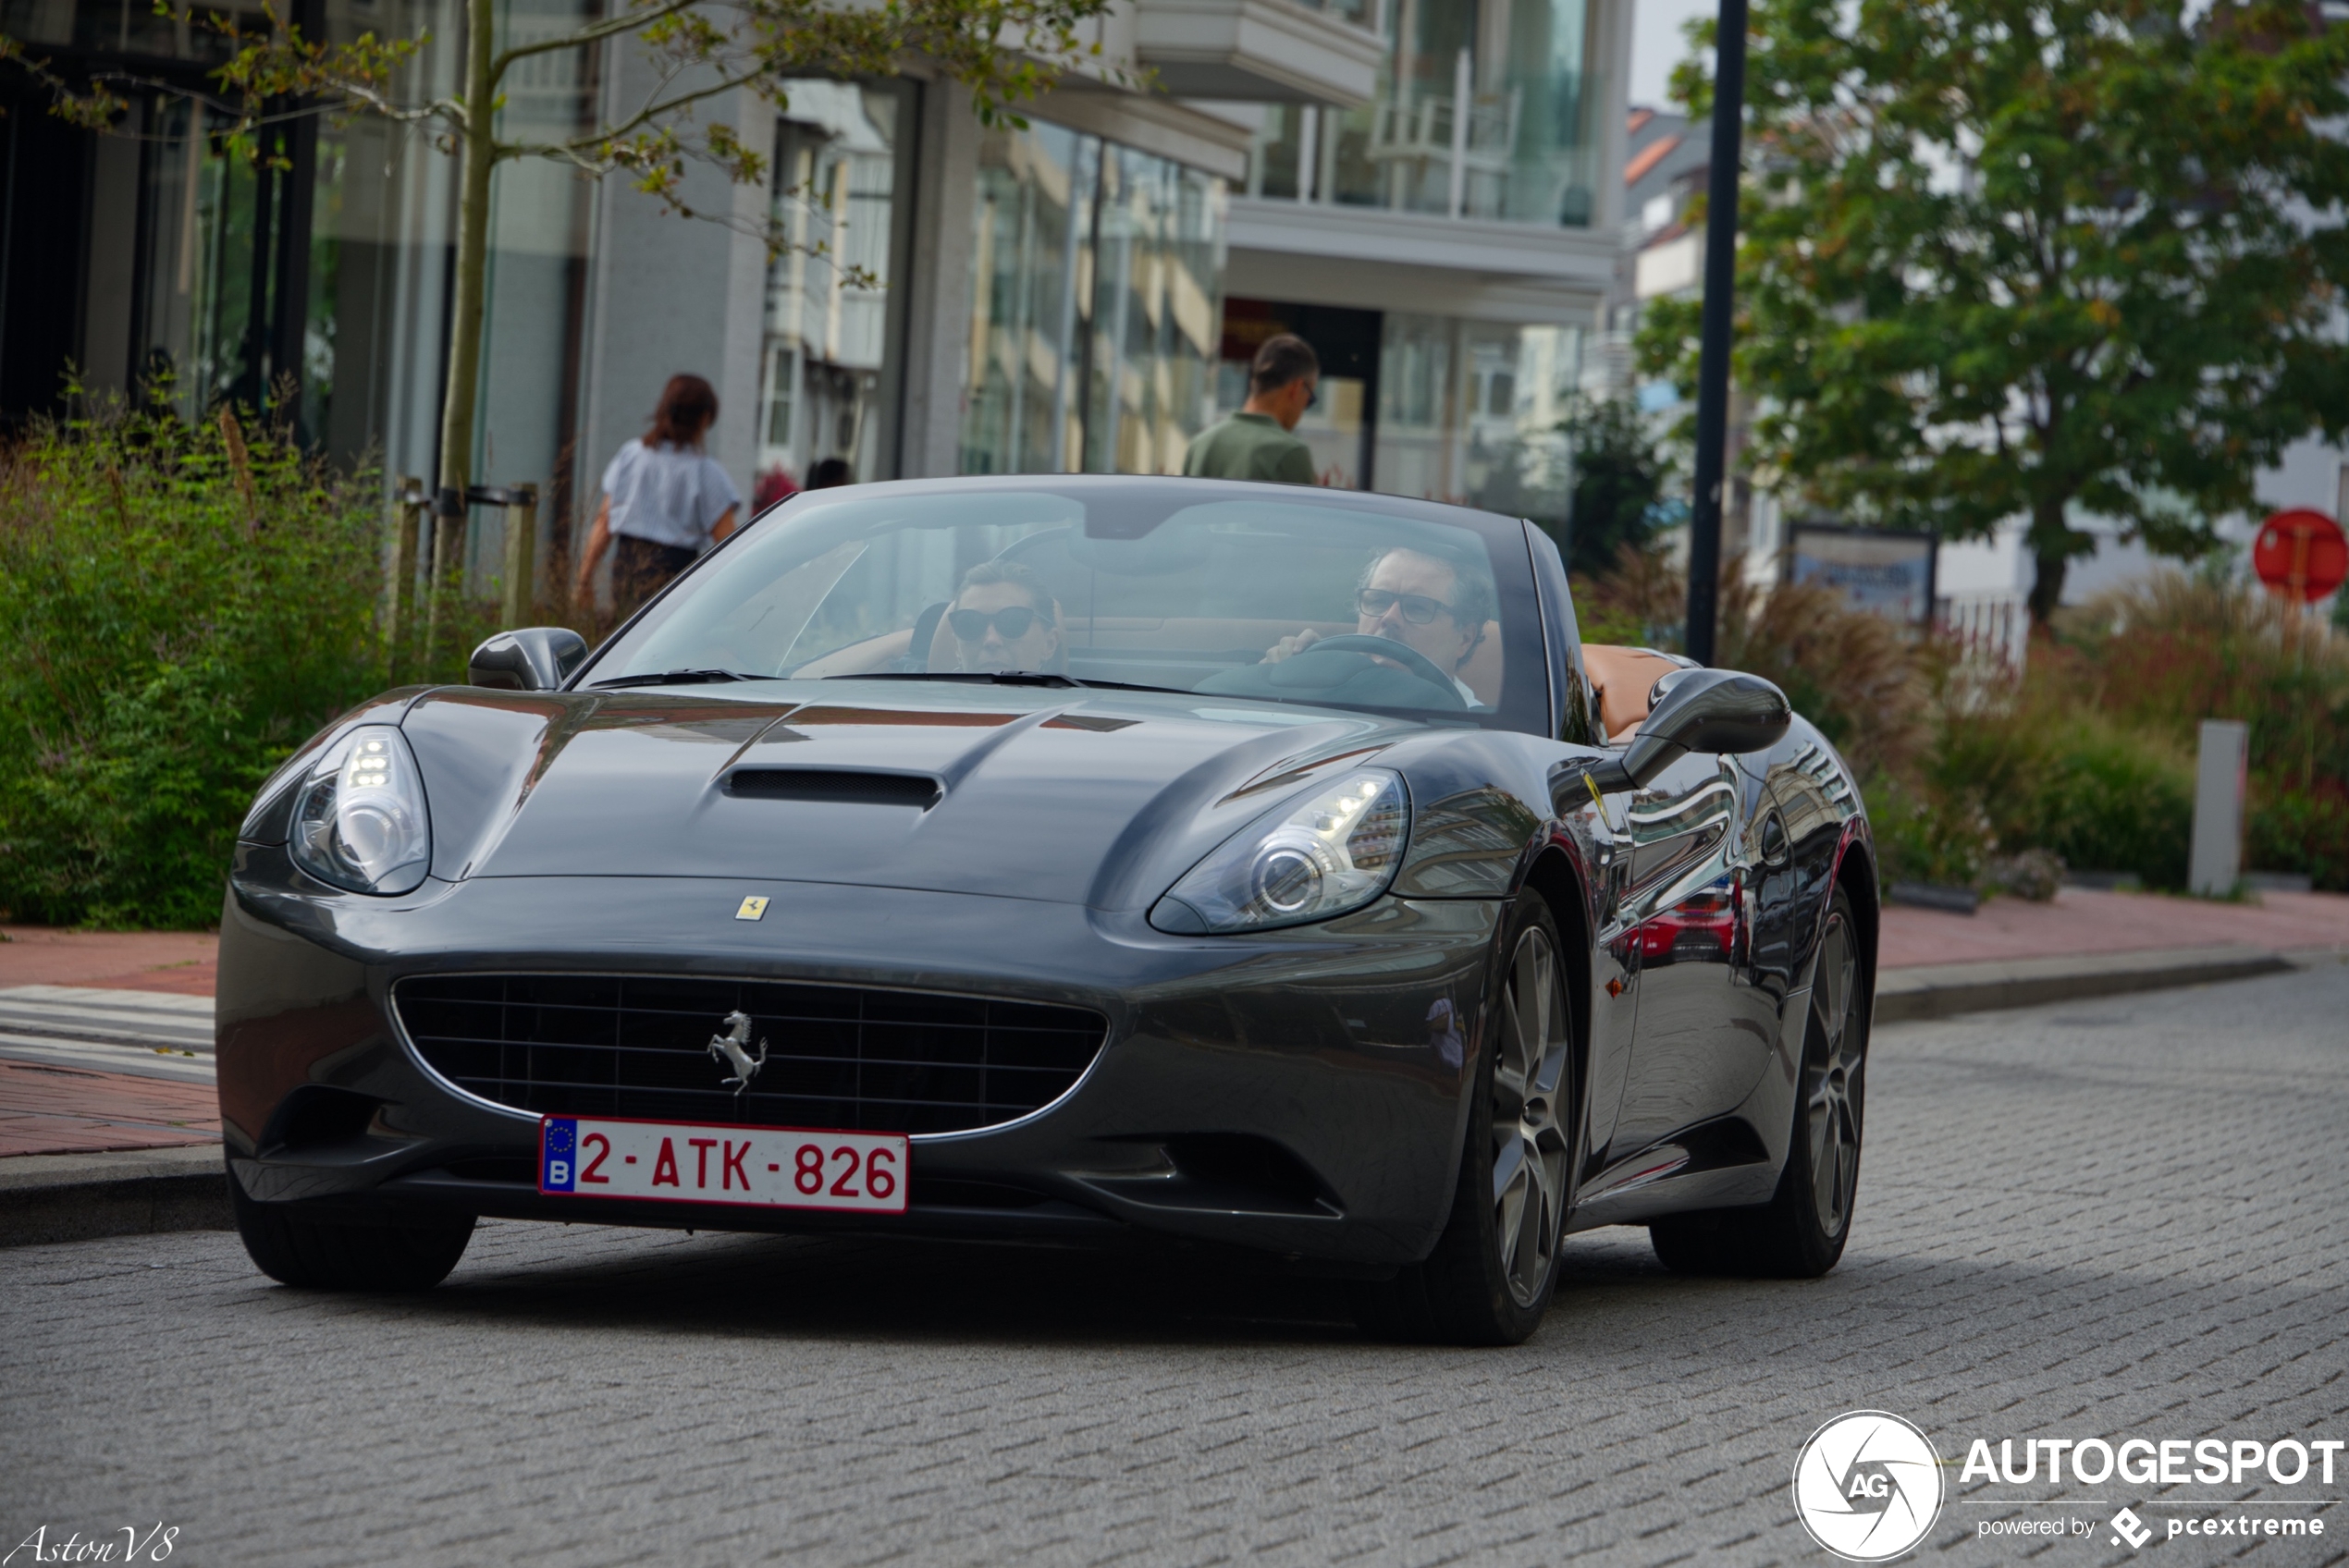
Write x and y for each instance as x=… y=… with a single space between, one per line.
x=1002 y=619
x=1423 y=601
x=1283 y=382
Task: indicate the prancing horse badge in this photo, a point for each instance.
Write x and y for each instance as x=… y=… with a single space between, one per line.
x=752 y=908
x=732 y=1048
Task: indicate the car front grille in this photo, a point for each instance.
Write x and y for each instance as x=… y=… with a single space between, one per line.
x=837 y=1056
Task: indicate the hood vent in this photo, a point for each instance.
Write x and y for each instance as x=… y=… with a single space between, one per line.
x=842 y=785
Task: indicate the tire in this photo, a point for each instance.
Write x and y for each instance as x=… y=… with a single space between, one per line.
x=1800 y=1234
x=1489 y=1280
x=323 y=1254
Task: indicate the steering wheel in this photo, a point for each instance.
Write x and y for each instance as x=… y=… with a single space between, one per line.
x=1411 y=658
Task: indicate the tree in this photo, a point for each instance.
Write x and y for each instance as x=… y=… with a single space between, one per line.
x=1620 y=476
x=2016 y=257
x=1006 y=52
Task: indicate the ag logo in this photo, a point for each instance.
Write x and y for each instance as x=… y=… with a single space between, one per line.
x=1867 y=1486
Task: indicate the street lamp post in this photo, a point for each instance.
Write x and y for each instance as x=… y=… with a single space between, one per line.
x=1712 y=363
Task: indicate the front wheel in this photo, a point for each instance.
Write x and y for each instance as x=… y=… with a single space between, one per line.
x=1489 y=1280
x=1799 y=1234
x=328 y=1255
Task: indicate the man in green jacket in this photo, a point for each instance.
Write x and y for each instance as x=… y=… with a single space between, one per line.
x=1255 y=443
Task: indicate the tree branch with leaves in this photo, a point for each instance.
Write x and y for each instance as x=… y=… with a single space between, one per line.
x=2036 y=258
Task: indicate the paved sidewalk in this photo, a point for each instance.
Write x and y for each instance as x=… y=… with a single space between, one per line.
x=86 y=1068
x=184 y=961
x=51 y=1110
x=2082 y=921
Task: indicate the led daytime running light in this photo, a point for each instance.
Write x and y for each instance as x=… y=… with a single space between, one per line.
x=360 y=821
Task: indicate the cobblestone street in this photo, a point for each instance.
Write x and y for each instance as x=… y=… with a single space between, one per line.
x=2112 y=1218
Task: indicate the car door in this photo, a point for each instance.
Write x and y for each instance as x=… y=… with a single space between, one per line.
x=1703 y=1037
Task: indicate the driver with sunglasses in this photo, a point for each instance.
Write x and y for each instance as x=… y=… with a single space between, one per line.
x=1002 y=619
x=1419 y=600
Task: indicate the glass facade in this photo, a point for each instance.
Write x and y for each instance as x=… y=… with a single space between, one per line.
x=1096 y=306
x=526 y=421
x=1469 y=411
x=1430 y=406
x=828 y=369
x=1485 y=109
x=323 y=273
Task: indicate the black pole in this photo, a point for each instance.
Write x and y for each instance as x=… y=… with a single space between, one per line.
x=1712 y=364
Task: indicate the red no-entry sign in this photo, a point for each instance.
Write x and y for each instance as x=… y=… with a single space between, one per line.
x=2301 y=553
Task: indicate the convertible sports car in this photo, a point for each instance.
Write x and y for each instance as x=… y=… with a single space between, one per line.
x=1067 y=858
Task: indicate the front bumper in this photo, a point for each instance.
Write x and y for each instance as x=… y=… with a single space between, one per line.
x=1298 y=1091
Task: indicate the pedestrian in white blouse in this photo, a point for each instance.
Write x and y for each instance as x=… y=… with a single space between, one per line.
x=665 y=499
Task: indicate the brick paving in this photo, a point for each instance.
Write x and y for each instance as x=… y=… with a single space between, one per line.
x=2081 y=920
x=51 y=1108
x=186 y=962
x=2111 y=1219
x=84 y=1070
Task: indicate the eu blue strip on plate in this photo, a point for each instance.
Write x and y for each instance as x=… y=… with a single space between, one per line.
x=558 y=1153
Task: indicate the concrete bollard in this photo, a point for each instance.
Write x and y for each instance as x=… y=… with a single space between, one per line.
x=2220 y=771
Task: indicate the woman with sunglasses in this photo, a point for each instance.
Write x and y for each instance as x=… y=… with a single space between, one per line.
x=1002 y=619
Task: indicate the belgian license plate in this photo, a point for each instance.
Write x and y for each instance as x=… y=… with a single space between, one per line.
x=693 y=1162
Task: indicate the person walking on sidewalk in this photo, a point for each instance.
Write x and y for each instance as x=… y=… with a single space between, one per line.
x=1283 y=382
x=666 y=500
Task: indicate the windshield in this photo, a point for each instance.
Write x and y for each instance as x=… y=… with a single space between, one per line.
x=1313 y=602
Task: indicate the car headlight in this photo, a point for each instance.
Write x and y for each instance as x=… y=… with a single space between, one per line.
x=1335 y=853
x=359 y=820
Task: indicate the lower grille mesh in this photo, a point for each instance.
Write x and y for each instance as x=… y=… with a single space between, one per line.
x=837 y=1056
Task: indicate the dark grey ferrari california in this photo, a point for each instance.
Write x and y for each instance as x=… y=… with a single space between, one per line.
x=1067 y=858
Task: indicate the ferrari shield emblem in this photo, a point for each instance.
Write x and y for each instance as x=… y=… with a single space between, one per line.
x=752 y=908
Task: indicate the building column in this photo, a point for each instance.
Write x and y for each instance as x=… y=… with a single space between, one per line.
x=937 y=284
x=1612 y=49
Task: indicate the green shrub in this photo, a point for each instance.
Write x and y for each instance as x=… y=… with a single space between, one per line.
x=2016 y=771
x=2304 y=830
x=2173 y=650
x=1620 y=475
x=2108 y=799
x=175 y=620
x=1921 y=837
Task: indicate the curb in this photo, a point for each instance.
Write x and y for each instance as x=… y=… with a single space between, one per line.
x=1940 y=990
x=79 y=1197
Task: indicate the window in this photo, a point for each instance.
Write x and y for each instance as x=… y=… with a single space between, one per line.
x=1096 y=306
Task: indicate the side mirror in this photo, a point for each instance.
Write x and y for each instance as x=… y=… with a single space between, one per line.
x=1693 y=710
x=540 y=658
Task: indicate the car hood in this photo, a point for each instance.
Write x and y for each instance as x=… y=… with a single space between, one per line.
x=1091 y=797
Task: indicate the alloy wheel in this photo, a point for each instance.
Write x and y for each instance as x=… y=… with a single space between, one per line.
x=1833 y=1076
x=1529 y=1133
